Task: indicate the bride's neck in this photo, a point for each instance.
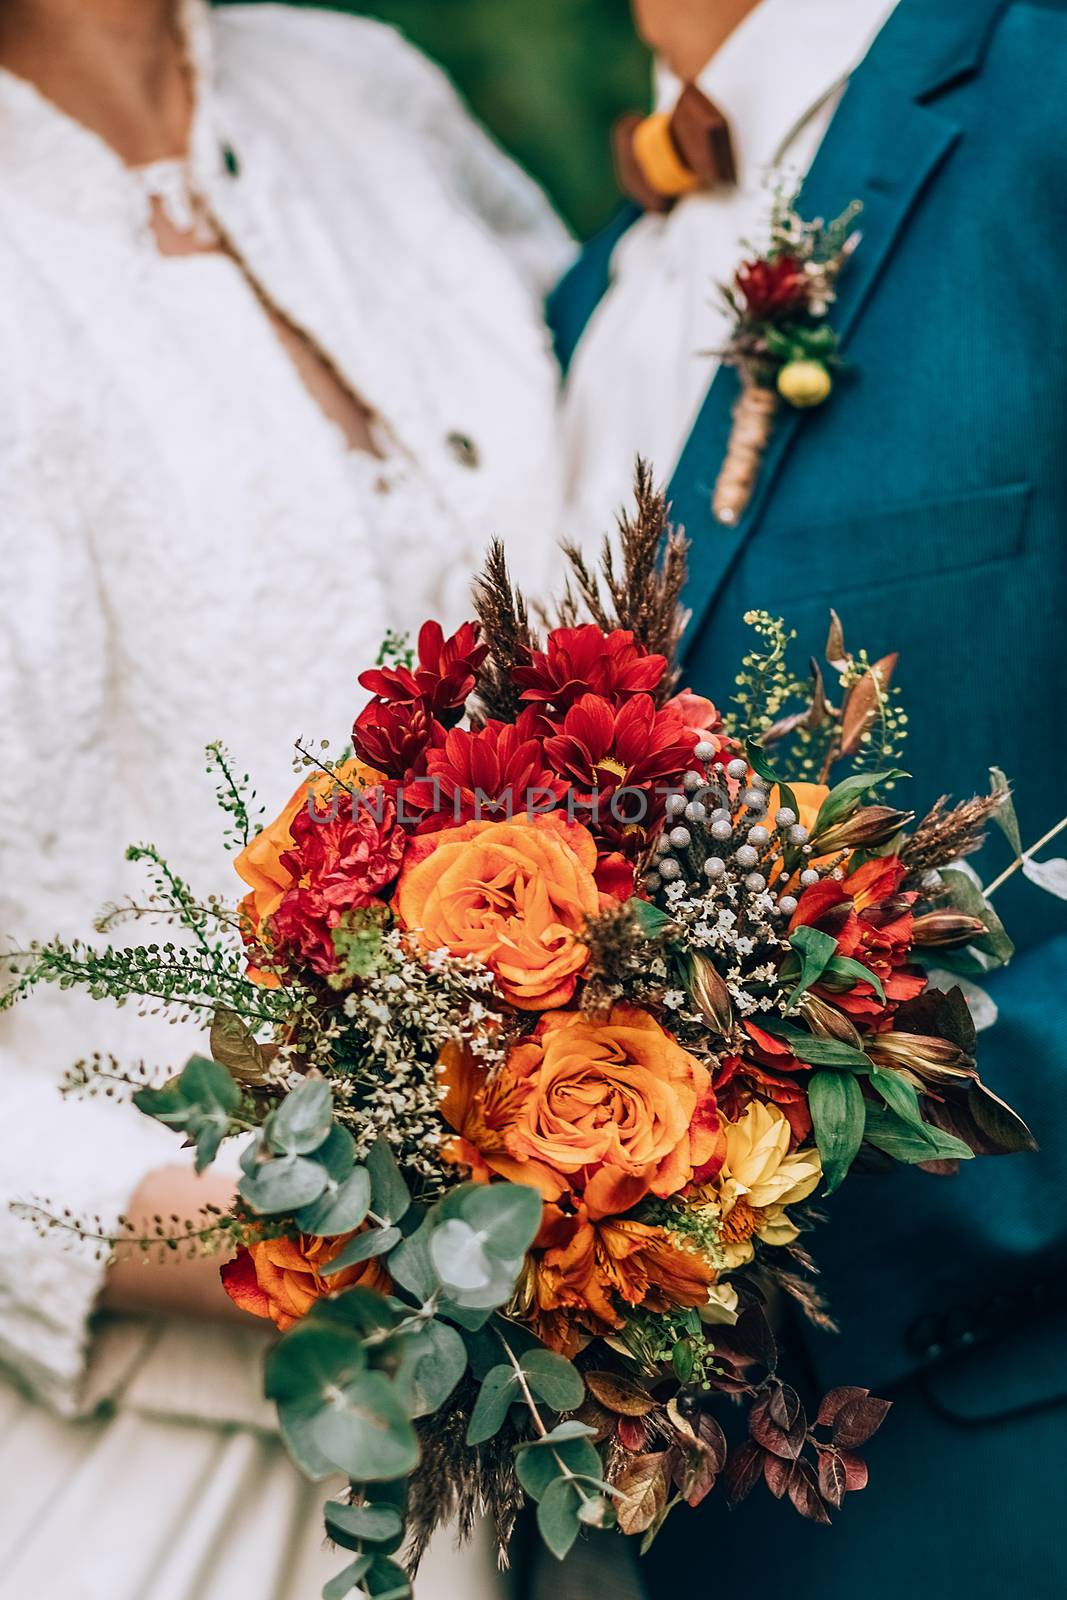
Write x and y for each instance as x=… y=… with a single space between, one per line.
x=115 y=65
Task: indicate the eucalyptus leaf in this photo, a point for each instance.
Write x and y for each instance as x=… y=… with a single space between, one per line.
x=390 y=1196
x=364 y=1430
x=375 y=1524
x=411 y=1266
x=506 y=1215
x=1004 y=816
x=341 y=1209
x=343 y=1584
x=309 y=1360
x=283 y=1185
x=553 y=1379
x=838 y=1109
x=387 y=1581
x=296 y=1420
x=337 y=1153
x=302 y=1122
x=557 y=1516
x=364 y=1247
x=1048 y=875
x=432 y=1362
x=536 y=1468
x=499 y=1391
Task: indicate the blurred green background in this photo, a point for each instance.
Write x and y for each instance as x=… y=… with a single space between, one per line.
x=549 y=77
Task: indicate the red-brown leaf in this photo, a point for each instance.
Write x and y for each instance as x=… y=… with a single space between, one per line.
x=832 y=1403
x=712 y=1440
x=858 y=1420
x=619 y=1393
x=833 y=1480
x=766 y=1432
x=804 y=1493
x=742 y=1471
x=776 y=1473
x=643 y=1483
x=855 y=1471
x=783 y=1406
x=631 y=1433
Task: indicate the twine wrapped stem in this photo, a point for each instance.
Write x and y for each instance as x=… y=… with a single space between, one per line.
x=753 y=423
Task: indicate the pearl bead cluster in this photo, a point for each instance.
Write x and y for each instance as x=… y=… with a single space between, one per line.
x=733 y=839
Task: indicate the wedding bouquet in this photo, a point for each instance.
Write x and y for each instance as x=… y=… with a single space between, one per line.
x=549 y=1011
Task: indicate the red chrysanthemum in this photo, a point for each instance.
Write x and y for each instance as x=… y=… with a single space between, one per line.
x=772 y=289
x=443 y=677
x=343 y=857
x=586 y=660
x=483 y=775
x=393 y=735
x=621 y=762
x=872 y=923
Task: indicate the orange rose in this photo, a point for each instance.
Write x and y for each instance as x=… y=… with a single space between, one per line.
x=259 y=863
x=582 y=1268
x=513 y=895
x=481 y=1110
x=616 y=1106
x=281 y=1278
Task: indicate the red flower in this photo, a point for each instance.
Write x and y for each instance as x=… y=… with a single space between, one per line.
x=342 y=858
x=444 y=676
x=393 y=735
x=772 y=289
x=603 y=752
x=701 y=719
x=872 y=923
x=585 y=660
x=498 y=771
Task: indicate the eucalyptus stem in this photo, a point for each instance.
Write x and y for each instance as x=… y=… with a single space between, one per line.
x=1027 y=855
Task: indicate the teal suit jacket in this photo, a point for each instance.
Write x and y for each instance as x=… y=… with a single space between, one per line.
x=927 y=502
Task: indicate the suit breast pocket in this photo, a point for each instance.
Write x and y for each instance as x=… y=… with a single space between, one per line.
x=847 y=554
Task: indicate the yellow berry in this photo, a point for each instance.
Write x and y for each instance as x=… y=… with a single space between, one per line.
x=805 y=383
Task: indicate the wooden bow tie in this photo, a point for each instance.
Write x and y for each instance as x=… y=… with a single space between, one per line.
x=670 y=154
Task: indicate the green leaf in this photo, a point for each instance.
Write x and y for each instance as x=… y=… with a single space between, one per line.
x=899 y=1095
x=815 y=949
x=375 y=1524
x=499 y=1391
x=410 y=1264
x=296 y=1420
x=560 y=1434
x=387 y=1581
x=200 y=1103
x=364 y=1247
x=1048 y=875
x=838 y=1108
x=433 y=1360
x=346 y=1581
x=817 y=1052
x=303 y=1120
x=207 y=1084
x=537 y=1467
x=308 y=1361
x=844 y=967
x=364 y=1430
x=553 y=1379
x=341 y=1209
x=507 y=1216
x=1004 y=816
x=912 y=1146
x=758 y=761
x=337 y=1153
x=390 y=1196
x=360 y=1309
x=966 y=896
x=649 y=918
x=844 y=798
x=557 y=1516
x=283 y=1185
x=470 y=1275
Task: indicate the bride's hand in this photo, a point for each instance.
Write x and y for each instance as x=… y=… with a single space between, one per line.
x=178 y=1286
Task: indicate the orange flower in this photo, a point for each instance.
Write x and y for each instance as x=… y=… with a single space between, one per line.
x=481 y=1110
x=514 y=895
x=281 y=1278
x=617 y=1106
x=260 y=864
x=582 y=1267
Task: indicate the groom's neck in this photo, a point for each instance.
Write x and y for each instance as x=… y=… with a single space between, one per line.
x=114 y=65
x=687 y=33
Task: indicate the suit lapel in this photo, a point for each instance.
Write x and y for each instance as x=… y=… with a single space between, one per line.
x=884 y=147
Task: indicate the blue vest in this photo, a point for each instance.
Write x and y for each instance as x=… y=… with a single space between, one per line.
x=927 y=502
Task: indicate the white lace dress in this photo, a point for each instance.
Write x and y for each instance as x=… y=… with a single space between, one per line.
x=190 y=551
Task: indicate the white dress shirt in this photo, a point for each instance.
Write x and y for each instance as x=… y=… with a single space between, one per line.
x=648 y=355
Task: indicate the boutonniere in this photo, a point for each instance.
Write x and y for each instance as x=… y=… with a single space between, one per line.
x=783 y=345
